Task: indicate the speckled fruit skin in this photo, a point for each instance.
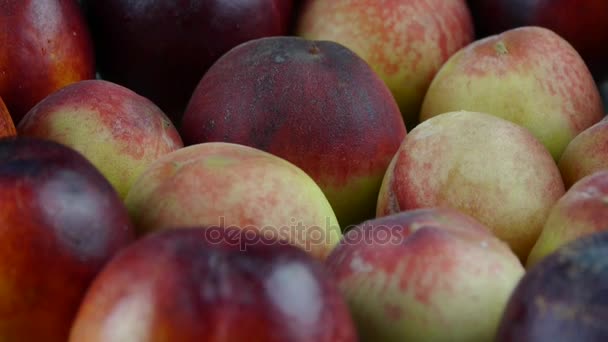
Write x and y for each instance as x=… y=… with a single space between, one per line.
x=582 y=23
x=563 y=297
x=586 y=154
x=485 y=166
x=119 y=131
x=7 y=126
x=184 y=285
x=430 y=274
x=161 y=49
x=60 y=222
x=404 y=41
x=224 y=184
x=44 y=46
x=581 y=211
x=315 y=104
x=529 y=76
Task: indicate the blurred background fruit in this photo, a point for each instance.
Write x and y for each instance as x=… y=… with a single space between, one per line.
x=190 y=285
x=583 y=23
x=404 y=41
x=563 y=297
x=60 y=222
x=161 y=48
x=44 y=46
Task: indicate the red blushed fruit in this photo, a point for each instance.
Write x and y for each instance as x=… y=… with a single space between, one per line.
x=562 y=298
x=425 y=275
x=207 y=284
x=161 y=48
x=314 y=103
x=44 y=46
x=7 y=126
x=60 y=222
x=583 y=23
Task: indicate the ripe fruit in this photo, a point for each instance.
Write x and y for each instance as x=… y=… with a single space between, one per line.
x=563 y=297
x=431 y=274
x=161 y=49
x=404 y=41
x=529 y=76
x=581 y=211
x=485 y=166
x=585 y=154
x=581 y=22
x=60 y=222
x=185 y=285
x=119 y=131
x=315 y=104
x=230 y=185
x=44 y=46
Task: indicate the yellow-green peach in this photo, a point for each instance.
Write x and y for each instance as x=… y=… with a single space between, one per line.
x=431 y=274
x=119 y=131
x=485 y=166
x=404 y=41
x=232 y=185
x=529 y=76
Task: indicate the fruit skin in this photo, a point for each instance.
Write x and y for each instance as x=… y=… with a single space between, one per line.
x=7 y=126
x=161 y=49
x=119 y=131
x=404 y=41
x=563 y=297
x=586 y=154
x=485 y=166
x=224 y=184
x=582 y=23
x=188 y=285
x=45 y=45
x=438 y=276
x=60 y=222
x=543 y=83
x=581 y=211
x=315 y=104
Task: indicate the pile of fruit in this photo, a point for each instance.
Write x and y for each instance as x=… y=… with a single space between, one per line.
x=313 y=170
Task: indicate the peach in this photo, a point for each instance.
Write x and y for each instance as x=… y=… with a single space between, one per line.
x=404 y=41
x=586 y=154
x=44 y=46
x=188 y=285
x=231 y=185
x=430 y=274
x=119 y=131
x=485 y=166
x=7 y=126
x=315 y=104
x=580 y=212
x=527 y=75
x=60 y=222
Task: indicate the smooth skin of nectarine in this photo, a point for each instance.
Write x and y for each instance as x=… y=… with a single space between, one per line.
x=529 y=76
x=431 y=274
x=119 y=131
x=60 y=222
x=404 y=41
x=316 y=104
x=485 y=166
x=186 y=285
x=582 y=210
x=224 y=184
x=586 y=154
x=44 y=46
